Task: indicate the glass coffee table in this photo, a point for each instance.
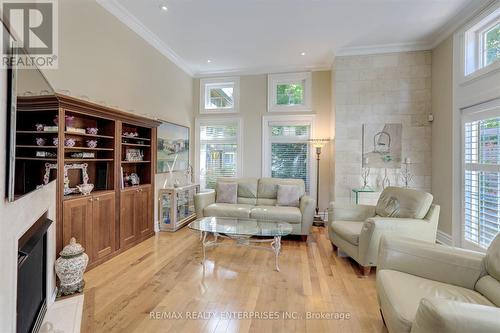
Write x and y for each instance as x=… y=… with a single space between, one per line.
x=241 y=231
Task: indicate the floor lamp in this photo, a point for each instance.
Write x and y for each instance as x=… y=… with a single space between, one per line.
x=318 y=144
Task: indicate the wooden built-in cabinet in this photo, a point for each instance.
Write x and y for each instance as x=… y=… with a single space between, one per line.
x=135 y=215
x=117 y=214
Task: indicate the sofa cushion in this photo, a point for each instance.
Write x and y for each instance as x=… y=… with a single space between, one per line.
x=276 y=214
x=288 y=195
x=227 y=210
x=226 y=192
x=268 y=187
x=403 y=203
x=348 y=230
x=493 y=258
x=247 y=189
x=400 y=295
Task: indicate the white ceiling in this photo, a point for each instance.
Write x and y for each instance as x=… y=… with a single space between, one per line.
x=258 y=36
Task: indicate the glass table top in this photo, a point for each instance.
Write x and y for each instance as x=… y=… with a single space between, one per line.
x=241 y=226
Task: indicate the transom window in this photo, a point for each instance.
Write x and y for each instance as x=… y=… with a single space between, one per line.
x=289 y=92
x=482 y=44
x=220 y=95
x=481 y=178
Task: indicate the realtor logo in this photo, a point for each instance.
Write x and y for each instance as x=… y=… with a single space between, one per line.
x=33 y=33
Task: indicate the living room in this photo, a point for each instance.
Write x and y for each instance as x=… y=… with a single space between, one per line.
x=303 y=167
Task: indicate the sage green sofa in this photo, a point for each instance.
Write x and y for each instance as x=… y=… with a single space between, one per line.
x=257 y=199
x=424 y=287
x=357 y=229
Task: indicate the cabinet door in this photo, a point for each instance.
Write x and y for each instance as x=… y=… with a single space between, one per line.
x=103 y=225
x=77 y=222
x=128 y=227
x=142 y=211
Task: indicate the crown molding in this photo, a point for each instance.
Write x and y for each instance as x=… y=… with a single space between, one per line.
x=465 y=14
x=263 y=70
x=383 y=48
x=122 y=14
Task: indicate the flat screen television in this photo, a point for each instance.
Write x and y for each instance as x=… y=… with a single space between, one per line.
x=29 y=135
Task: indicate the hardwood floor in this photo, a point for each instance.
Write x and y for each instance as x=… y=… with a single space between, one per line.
x=163 y=275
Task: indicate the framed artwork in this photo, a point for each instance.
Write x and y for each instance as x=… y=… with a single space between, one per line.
x=382 y=145
x=172 y=152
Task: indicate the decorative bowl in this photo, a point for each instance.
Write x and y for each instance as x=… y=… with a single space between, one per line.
x=40 y=141
x=85 y=189
x=92 y=130
x=55 y=141
x=69 y=142
x=91 y=143
x=39 y=127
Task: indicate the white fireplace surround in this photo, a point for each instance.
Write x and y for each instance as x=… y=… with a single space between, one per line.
x=15 y=219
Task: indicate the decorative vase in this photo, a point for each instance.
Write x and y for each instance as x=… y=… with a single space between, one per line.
x=70 y=267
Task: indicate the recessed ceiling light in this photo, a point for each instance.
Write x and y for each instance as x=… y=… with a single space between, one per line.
x=164 y=8
x=209 y=61
x=302 y=53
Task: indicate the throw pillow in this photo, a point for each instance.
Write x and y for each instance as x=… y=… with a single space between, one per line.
x=288 y=195
x=227 y=193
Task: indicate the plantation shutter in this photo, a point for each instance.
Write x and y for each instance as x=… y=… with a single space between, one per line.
x=290 y=151
x=481 y=178
x=218 y=152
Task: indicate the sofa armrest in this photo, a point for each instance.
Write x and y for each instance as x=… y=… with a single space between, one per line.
x=431 y=261
x=446 y=316
x=202 y=200
x=307 y=207
x=349 y=212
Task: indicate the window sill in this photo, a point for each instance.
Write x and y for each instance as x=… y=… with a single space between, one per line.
x=480 y=73
x=218 y=111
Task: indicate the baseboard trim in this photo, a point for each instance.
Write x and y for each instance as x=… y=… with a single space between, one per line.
x=444 y=238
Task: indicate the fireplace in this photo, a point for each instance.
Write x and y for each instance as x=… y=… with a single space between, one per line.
x=32 y=277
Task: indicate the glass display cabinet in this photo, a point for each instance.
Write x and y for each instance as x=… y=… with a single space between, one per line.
x=176 y=206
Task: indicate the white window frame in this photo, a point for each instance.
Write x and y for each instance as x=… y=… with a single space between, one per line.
x=472 y=43
x=482 y=111
x=273 y=80
x=266 y=143
x=206 y=83
x=203 y=121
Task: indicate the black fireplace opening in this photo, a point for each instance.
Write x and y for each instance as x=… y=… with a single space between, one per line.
x=32 y=277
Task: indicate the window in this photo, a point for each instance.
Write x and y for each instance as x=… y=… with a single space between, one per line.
x=482 y=44
x=481 y=179
x=220 y=95
x=219 y=150
x=287 y=151
x=289 y=92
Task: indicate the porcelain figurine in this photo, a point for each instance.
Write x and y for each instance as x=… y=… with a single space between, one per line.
x=70 y=267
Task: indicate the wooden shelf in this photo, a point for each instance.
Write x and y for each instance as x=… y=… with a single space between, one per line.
x=35 y=146
x=37 y=159
x=134 y=144
x=135 y=138
x=131 y=162
x=79 y=195
x=89 y=135
x=88 y=160
x=87 y=148
x=36 y=132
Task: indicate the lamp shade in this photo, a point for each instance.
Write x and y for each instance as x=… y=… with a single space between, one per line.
x=319 y=143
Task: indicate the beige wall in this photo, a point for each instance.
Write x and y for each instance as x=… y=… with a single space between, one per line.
x=253 y=106
x=442 y=126
x=382 y=88
x=101 y=58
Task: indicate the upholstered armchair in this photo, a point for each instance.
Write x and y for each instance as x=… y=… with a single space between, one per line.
x=425 y=287
x=356 y=230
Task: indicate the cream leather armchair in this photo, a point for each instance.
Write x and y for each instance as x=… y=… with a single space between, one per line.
x=356 y=230
x=425 y=287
